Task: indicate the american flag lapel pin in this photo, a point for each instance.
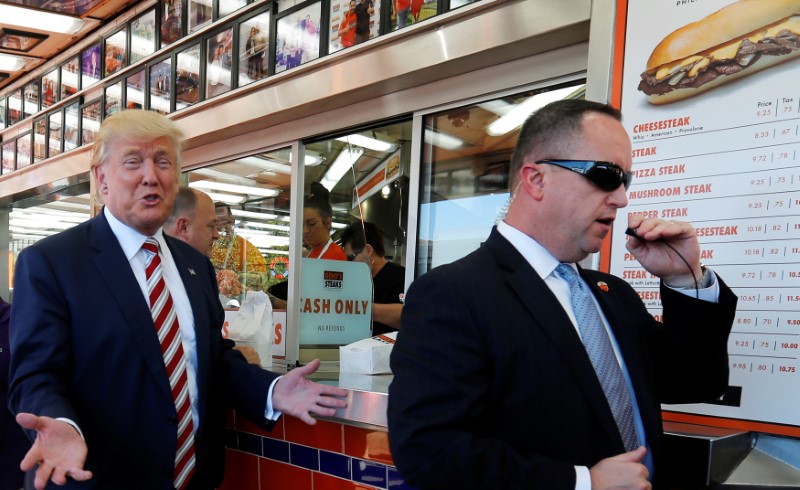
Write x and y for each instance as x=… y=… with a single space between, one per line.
x=191 y=271
x=603 y=286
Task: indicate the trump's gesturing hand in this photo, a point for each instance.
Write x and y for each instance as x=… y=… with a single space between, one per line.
x=622 y=472
x=297 y=396
x=58 y=449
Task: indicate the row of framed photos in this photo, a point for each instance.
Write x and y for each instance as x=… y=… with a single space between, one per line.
x=52 y=133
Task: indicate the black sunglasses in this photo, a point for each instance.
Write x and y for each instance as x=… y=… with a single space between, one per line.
x=351 y=257
x=605 y=175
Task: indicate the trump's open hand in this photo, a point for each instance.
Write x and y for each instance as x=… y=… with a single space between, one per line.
x=297 y=396
x=58 y=449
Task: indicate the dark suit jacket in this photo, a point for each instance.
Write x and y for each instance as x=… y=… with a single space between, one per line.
x=493 y=388
x=84 y=347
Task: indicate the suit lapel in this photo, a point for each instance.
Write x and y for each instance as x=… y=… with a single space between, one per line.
x=115 y=270
x=546 y=313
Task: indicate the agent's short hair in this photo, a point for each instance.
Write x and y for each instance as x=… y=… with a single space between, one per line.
x=553 y=129
x=136 y=124
x=185 y=204
x=357 y=236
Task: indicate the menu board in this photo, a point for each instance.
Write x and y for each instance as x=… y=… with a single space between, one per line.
x=726 y=159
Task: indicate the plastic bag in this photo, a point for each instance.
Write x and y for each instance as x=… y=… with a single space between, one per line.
x=251 y=325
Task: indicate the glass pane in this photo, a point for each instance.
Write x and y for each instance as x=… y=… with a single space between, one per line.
x=171 y=21
x=229 y=6
x=408 y=12
x=3 y=104
x=252 y=197
x=143 y=36
x=70 y=71
x=298 y=38
x=31 y=105
x=15 y=107
x=71 y=119
x=90 y=65
x=160 y=74
x=39 y=139
x=353 y=22
x=113 y=98
x=187 y=78
x=90 y=121
x=465 y=172
x=115 y=52
x=134 y=90
x=218 y=68
x=253 y=43
x=50 y=90
x=9 y=156
x=24 y=151
x=364 y=176
x=54 y=138
x=199 y=13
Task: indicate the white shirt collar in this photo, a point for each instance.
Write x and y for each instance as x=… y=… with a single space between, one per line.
x=537 y=256
x=129 y=239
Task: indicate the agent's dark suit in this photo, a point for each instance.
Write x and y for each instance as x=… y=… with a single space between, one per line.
x=493 y=388
x=84 y=347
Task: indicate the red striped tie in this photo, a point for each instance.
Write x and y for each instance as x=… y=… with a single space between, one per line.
x=169 y=336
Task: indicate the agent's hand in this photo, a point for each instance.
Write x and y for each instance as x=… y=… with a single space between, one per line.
x=651 y=250
x=58 y=449
x=622 y=472
x=295 y=395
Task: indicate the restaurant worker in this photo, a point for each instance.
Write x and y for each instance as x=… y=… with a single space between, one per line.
x=537 y=373
x=118 y=364
x=363 y=242
x=317 y=222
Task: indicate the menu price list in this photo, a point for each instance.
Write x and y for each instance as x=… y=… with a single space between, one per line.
x=739 y=186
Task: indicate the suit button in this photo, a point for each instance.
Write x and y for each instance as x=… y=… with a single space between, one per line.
x=172 y=421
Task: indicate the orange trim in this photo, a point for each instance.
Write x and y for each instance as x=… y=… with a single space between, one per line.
x=619 y=52
x=784 y=430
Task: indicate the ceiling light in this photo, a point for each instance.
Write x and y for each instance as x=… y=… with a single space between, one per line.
x=266 y=164
x=267 y=226
x=229 y=198
x=367 y=142
x=241 y=189
x=36 y=19
x=253 y=214
x=520 y=113
x=344 y=162
x=442 y=140
x=10 y=62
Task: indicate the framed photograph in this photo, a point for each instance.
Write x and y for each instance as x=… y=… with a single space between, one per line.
x=39 y=139
x=70 y=77
x=227 y=7
x=3 y=105
x=90 y=121
x=143 y=36
x=134 y=90
x=112 y=99
x=72 y=120
x=54 y=134
x=298 y=37
x=253 y=44
x=219 y=48
x=200 y=13
x=407 y=13
x=353 y=22
x=90 y=65
x=24 y=150
x=15 y=107
x=171 y=21
x=50 y=88
x=115 y=52
x=9 y=156
x=76 y=8
x=22 y=41
x=160 y=86
x=187 y=77
x=31 y=102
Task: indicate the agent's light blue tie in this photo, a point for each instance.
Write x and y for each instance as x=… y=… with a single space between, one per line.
x=598 y=346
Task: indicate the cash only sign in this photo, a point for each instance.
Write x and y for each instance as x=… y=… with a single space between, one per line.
x=335 y=302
